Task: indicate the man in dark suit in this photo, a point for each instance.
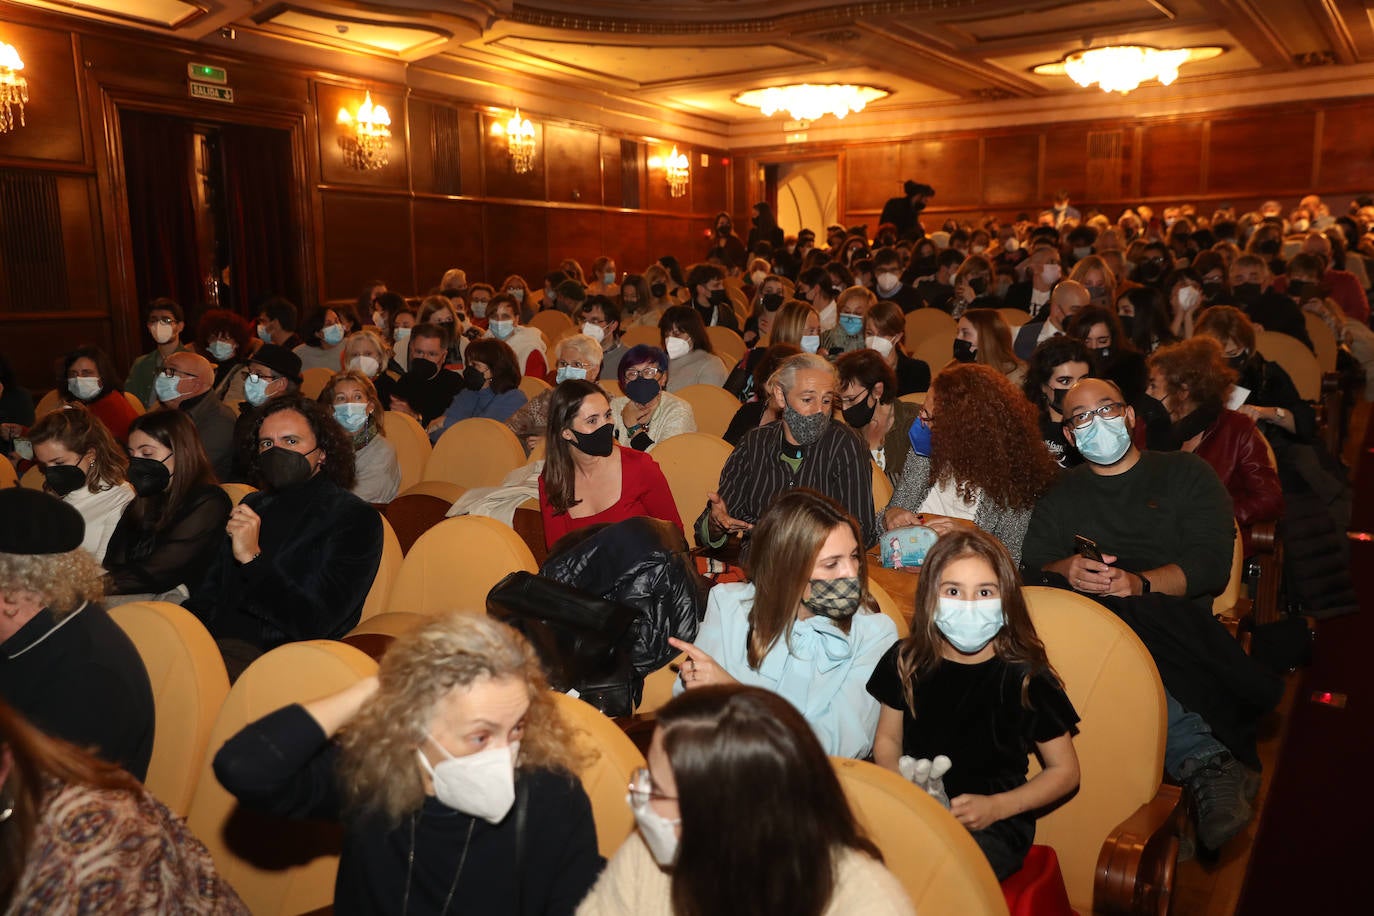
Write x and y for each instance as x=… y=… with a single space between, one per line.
x=905 y=212
x=1066 y=299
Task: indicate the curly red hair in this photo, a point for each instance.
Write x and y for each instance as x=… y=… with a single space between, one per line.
x=986 y=436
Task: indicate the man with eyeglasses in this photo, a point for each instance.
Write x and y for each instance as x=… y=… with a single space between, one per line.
x=600 y=320
x=165 y=322
x=1150 y=535
x=273 y=371
x=187 y=384
x=578 y=357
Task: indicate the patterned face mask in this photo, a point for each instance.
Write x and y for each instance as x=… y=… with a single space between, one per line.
x=835 y=598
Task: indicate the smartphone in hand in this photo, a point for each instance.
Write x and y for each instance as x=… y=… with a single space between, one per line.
x=1087 y=548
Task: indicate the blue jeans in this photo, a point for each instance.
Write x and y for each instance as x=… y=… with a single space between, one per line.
x=1188 y=738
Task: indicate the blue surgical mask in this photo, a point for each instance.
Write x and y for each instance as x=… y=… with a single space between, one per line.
x=263 y=334
x=608 y=278
x=919 y=434
x=811 y=342
x=569 y=372
x=167 y=387
x=852 y=324
x=255 y=390
x=517 y=293
x=501 y=329
x=220 y=350
x=333 y=334
x=1104 y=441
x=969 y=625
x=352 y=416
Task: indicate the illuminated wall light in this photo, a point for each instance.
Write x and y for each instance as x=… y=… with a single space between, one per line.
x=678 y=170
x=368 y=136
x=14 y=89
x=520 y=143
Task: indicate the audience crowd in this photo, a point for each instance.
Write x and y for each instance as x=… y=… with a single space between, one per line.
x=1099 y=415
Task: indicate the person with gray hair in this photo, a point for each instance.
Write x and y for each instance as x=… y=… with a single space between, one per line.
x=802 y=449
x=576 y=356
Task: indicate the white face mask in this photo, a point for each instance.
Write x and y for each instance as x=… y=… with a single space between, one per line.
x=594 y=331
x=810 y=343
x=379 y=320
x=881 y=344
x=162 y=333
x=479 y=308
x=888 y=282
x=481 y=784
x=830 y=316
x=1011 y=244
x=366 y=365
x=1050 y=274
x=658 y=832
x=677 y=347
x=221 y=350
x=84 y=387
x=1188 y=297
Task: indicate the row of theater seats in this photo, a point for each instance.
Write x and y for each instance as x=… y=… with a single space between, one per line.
x=1115 y=840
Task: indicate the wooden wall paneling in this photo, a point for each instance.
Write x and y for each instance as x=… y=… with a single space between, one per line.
x=87 y=288
x=1106 y=167
x=612 y=193
x=517 y=239
x=334 y=169
x=658 y=196
x=1011 y=164
x=1066 y=169
x=471 y=153
x=1273 y=150
x=574 y=164
x=35 y=347
x=576 y=234
x=1171 y=159
x=52 y=130
x=448 y=233
x=950 y=166
x=366 y=237
x=501 y=180
x=625 y=237
x=711 y=174
x=682 y=237
x=436 y=160
x=872 y=175
x=1347 y=149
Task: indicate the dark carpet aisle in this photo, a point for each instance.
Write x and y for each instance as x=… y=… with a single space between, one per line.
x=1312 y=853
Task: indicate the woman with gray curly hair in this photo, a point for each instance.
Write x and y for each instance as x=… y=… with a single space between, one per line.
x=64 y=664
x=450 y=769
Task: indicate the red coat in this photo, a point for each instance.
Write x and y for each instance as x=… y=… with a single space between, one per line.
x=1236 y=450
x=643 y=491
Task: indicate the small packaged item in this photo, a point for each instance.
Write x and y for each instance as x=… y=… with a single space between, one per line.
x=906 y=548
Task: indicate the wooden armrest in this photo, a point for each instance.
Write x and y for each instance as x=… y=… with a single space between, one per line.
x=1135 y=869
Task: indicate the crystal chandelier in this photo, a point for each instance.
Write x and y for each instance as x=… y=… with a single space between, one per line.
x=1121 y=68
x=520 y=143
x=678 y=170
x=14 y=89
x=365 y=145
x=807 y=101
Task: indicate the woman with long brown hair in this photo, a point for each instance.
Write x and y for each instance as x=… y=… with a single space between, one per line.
x=804 y=626
x=739 y=811
x=983 y=337
x=78 y=834
x=84 y=466
x=977 y=459
x=972 y=683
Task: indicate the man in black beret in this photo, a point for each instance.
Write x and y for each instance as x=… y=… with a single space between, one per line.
x=64 y=664
x=273 y=371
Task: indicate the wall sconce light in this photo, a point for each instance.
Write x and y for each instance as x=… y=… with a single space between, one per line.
x=369 y=134
x=678 y=170
x=14 y=89
x=519 y=142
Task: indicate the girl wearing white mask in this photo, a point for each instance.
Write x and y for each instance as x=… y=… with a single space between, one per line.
x=1184 y=288
x=357 y=407
x=450 y=769
x=503 y=324
x=88 y=377
x=324 y=333
x=730 y=755
x=884 y=331
x=987 y=695
x=691 y=360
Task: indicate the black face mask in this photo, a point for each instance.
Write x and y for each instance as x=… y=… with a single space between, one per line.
x=423 y=370
x=860 y=413
x=964 y=351
x=771 y=302
x=1128 y=324
x=1247 y=293
x=658 y=290
x=598 y=443
x=723 y=229
x=1211 y=289
x=1189 y=426
x=473 y=380
x=1149 y=271
x=642 y=390
x=1300 y=288
x=979 y=285
x=718 y=297
x=64 y=478
x=281 y=468
x=1057 y=399
x=148 y=476
x=1238 y=361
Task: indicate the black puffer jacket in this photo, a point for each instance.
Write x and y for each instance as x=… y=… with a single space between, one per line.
x=642 y=562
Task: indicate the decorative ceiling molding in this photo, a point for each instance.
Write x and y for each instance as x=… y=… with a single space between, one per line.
x=672 y=23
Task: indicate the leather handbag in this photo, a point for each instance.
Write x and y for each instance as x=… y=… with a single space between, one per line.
x=582 y=640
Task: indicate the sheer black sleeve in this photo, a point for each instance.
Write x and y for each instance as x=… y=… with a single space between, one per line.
x=180 y=551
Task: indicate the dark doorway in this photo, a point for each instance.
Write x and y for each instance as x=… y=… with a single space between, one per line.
x=212 y=212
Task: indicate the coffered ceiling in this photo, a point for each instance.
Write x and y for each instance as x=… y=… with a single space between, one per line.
x=693 y=57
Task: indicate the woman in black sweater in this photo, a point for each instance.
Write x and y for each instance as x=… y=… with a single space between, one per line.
x=451 y=771
x=168 y=533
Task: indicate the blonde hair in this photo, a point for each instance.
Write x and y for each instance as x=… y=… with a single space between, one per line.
x=366 y=336
x=65 y=580
x=377 y=764
x=370 y=390
x=79 y=431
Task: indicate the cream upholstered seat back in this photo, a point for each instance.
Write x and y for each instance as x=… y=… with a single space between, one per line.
x=1113 y=684
x=927 y=324
x=278 y=866
x=930 y=853
x=888 y=605
x=387 y=570
x=475 y=452
x=189 y=686
x=729 y=346
x=712 y=406
x=692 y=463
x=1296 y=360
x=412 y=446
x=454 y=564
x=314 y=380
x=612 y=759
x=552 y=323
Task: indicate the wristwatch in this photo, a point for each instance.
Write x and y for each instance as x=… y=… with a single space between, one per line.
x=1144 y=584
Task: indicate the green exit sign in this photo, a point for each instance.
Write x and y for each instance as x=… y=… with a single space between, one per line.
x=207 y=74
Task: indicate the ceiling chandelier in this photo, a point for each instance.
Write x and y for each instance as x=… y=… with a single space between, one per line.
x=1121 y=68
x=14 y=89
x=365 y=145
x=677 y=169
x=808 y=101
